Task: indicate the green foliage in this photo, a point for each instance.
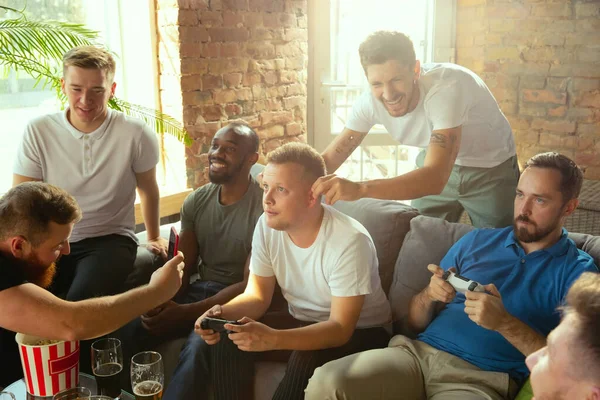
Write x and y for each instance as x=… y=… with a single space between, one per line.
x=37 y=48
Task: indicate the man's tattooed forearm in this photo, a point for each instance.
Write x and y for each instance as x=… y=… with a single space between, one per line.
x=348 y=145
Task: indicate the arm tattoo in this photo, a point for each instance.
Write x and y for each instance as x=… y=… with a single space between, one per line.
x=347 y=146
x=439 y=139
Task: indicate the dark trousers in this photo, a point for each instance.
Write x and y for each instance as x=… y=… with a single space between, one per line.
x=95 y=267
x=230 y=371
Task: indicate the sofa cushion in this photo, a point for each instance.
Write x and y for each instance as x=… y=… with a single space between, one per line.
x=427 y=243
x=387 y=222
x=588 y=243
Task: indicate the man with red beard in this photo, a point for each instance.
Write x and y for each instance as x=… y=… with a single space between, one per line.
x=473 y=345
x=36 y=220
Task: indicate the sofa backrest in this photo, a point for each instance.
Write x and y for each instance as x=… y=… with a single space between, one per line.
x=388 y=223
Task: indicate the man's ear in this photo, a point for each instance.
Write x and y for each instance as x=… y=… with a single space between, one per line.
x=62 y=86
x=594 y=394
x=253 y=158
x=19 y=246
x=571 y=206
x=417 y=70
x=312 y=199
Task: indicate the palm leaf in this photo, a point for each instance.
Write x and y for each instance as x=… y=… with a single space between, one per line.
x=162 y=123
x=48 y=40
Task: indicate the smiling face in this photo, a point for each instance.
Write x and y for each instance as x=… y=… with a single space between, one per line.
x=230 y=157
x=88 y=91
x=394 y=85
x=539 y=205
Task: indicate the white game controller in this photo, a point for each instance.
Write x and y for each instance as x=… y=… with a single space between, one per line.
x=462 y=284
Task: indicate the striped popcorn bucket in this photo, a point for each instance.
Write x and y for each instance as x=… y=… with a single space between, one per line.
x=50 y=368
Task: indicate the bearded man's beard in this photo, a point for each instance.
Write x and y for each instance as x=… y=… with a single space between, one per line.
x=38 y=273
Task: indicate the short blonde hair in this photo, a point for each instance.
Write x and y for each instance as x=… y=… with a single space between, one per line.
x=302 y=154
x=90 y=57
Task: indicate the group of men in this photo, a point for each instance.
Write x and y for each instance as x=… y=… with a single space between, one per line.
x=246 y=239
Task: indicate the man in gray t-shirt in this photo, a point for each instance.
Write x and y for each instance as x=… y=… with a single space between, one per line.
x=217 y=225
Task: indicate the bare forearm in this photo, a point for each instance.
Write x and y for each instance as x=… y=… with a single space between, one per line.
x=412 y=185
x=520 y=335
x=245 y=305
x=96 y=317
x=150 y=199
x=321 y=335
x=341 y=148
x=421 y=311
x=195 y=310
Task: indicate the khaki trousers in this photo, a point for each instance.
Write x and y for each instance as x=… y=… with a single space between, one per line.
x=407 y=369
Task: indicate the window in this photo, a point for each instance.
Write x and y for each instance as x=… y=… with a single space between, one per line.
x=132 y=40
x=336 y=78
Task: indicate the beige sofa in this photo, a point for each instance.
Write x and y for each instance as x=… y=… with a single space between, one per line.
x=406 y=243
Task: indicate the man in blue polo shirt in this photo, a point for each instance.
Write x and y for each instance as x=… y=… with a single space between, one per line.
x=473 y=346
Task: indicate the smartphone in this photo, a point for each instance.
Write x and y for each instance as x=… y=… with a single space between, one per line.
x=173 y=243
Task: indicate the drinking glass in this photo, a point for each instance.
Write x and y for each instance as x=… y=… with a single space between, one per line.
x=75 y=393
x=7 y=396
x=107 y=364
x=147 y=375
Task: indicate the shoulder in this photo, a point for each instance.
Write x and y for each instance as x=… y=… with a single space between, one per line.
x=579 y=260
x=45 y=122
x=203 y=193
x=131 y=124
x=345 y=228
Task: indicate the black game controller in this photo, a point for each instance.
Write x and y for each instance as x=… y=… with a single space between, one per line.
x=217 y=324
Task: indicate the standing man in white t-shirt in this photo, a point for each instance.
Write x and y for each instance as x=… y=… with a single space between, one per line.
x=326 y=265
x=100 y=157
x=469 y=158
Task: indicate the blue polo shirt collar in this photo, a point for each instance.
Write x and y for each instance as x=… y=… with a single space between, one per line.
x=557 y=249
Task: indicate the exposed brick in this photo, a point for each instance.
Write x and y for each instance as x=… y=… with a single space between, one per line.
x=193 y=4
x=193 y=34
x=276 y=91
x=271 y=145
x=526 y=136
x=295 y=34
x=212 y=82
x=295 y=89
x=471 y=3
x=260 y=50
x=548 y=53
x=589 y=70
x=267 y=5
x=588 y=99
x=194 y=66
x=196 y=97
x=293 y=129
x=589 y=129
x=211 y=18
x=223 y=66
x=587 y=25
x=188 y=50
x=519 y=123
x=577 y=39
x=588 y=158
x=502 y=25
x=554 y=126
x=258 y=92
x=294 y=101
x=533 y=82
x=231 y=49
x=233 y=110
x=559 y=111
x=544 y=96
x=296 y=63
x=252 y=19
x=562 y=9
x=211 y=50
x=592 y=173
x=271 y=132
x=288 y=76
x=588 y=54
x=233 y=19
x=524 y=69
x=587 y=10
x=261 y=34
x=271 y=77
x=213 y=112
x=558 y=84
x=228 y=34
x=251 y=78
x=280 y=118
x=187 y=17
x=533 y=110
x=244 y=94
x=190 y=82
x=233 y=79
x=225 y=96
x=241 y=5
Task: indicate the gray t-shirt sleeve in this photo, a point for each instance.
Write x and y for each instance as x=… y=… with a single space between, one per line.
x=147 y=153
x=362 y=116
x=351 y=275
x=260 y=262
x=28 y=161
x=188 y=212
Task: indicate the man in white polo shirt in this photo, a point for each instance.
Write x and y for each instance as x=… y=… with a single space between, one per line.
x=470 y=159
x=100 y=156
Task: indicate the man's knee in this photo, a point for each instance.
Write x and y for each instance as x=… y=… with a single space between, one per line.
x=329 y=381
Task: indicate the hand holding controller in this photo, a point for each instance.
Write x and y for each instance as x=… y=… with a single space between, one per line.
x=462 y=284
x=216 y=324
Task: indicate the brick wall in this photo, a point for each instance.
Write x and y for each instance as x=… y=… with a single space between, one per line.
x=541 y=59
x=226 y=60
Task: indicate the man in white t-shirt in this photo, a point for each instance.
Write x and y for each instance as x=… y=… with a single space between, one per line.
x=470 y=158
x=326 y=265
x=99 y=156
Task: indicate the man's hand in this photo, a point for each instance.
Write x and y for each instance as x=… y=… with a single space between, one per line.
x=487 y=309
x=252 y=335
x=439 y=289
x=208 y=335
x=158 y=246
x=165 y=318
x=335 y=188
x=167 y=279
